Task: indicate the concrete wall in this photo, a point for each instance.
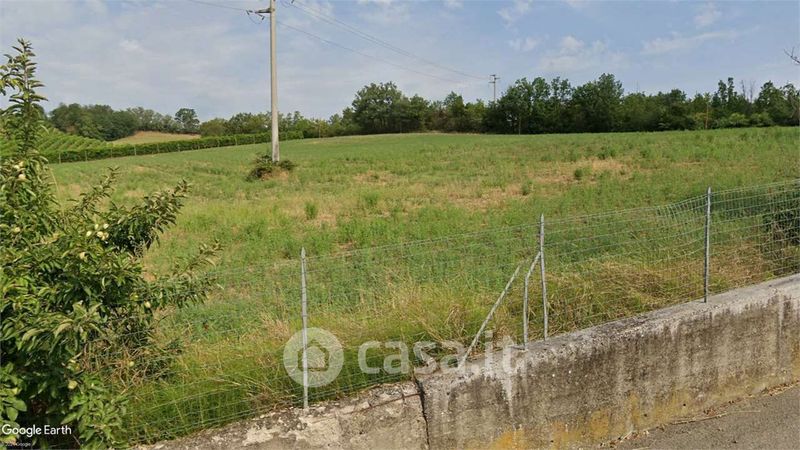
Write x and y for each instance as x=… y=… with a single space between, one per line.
x=587 y=387
x=387 y=417
x=601 y=383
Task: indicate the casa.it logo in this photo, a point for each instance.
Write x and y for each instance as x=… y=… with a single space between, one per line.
x=323 y=352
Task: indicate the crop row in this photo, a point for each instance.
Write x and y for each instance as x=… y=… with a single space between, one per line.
x=59 y=147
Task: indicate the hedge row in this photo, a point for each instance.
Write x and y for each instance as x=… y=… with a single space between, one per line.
x=115 y=151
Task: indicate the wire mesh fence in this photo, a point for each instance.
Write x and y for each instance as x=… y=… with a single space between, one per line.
x=401 y=309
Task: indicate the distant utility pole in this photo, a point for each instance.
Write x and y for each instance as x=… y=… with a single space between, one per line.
x=493 y=82
x=273 y=74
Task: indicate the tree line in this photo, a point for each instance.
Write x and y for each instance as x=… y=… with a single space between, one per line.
x=538 y=106
x=525 y=107
x=104 y=123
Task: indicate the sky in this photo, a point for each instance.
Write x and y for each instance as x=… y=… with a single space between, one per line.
x=170 y=54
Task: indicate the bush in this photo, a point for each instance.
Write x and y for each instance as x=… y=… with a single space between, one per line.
x=526 y=188
x=72 y=283
x=311 y=210
x=582 y=172
x=369 y=200
x=761 y=119
x=265 y=167
x=735 y=120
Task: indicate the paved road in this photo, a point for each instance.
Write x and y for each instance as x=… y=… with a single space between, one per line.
x=770 y=421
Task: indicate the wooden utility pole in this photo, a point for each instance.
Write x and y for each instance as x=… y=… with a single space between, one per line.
x=493 y=82
x=273 y=75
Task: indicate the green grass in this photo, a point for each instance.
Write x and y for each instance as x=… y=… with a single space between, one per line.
x=361 y=192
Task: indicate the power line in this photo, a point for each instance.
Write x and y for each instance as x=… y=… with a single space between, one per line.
x=343 y=47
x=329 y=42
x=217 y=5
x=334 y=21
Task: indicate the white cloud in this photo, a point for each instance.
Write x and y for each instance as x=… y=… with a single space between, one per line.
x=571 y=44
x=453 y=4
x=515 y=11
x=678 y=42
x=524 y=45
x=574 y=55
x=707 y=15
x=130 y=45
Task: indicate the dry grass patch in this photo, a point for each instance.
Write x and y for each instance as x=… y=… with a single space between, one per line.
x=146 y=137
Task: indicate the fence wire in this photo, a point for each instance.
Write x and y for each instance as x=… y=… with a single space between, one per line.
x=222 y=361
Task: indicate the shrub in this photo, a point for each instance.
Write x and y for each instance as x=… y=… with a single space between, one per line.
x=369 y=200
x=265 y=167
x=311 y=210
x=735 y=120
x=526 y=188
x=761 y=119
x=607 y=153
x=72 y=282
x=582 y=172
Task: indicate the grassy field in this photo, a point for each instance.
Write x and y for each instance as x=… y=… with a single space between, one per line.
x=221 y=361
x=146 y=137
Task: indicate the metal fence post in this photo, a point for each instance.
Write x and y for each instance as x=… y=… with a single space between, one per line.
x=304 y=313
x=544 y=280
x=525 y=300
x=708 y=246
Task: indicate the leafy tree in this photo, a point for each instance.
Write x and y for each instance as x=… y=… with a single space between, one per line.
x=247 y=123
x=639 y=112
x=213 y=127
x=377 y=108
x=774 y=102
x=475 y=113
x=595 y=105
x=71 y=282
x=673 y=109
x=187 y=120
x=94 y=121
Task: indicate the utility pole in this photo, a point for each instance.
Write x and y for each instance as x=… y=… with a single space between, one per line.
x=493 y=82
x=273 y=76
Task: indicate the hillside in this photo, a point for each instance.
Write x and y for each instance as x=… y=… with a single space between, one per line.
x=54 y=141
x=147 y=137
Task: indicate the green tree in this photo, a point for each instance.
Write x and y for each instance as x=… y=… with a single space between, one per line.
x=595 y=105
x=774 y=102
x=639 y=112
x=187 y=120
x=71 y=283
x=673 y=111
x=247 y=123
x=377 y=108
x=213 y=127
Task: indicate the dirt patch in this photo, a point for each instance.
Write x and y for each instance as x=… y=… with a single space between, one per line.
x=483 y=199
x=592 y=168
